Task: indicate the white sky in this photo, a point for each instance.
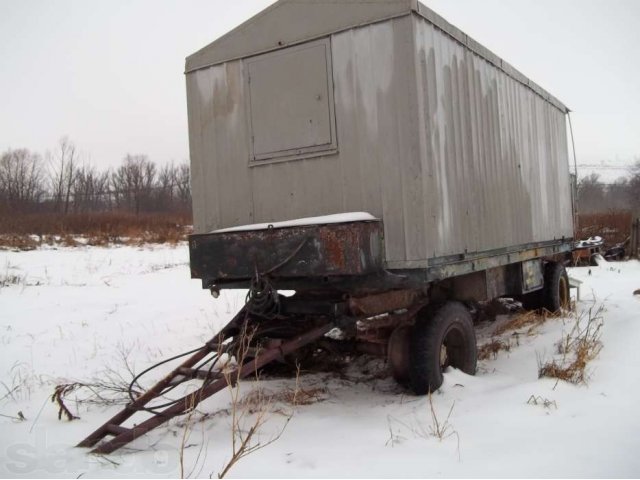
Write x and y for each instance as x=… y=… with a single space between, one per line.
x=109 y=73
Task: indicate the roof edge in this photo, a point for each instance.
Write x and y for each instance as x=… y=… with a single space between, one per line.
x=483 y=52
x=236 y=44
x=296 y=21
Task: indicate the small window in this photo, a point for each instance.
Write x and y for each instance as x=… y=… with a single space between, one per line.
x=291 y=103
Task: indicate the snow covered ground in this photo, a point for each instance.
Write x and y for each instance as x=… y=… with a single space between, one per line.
x=76 y=314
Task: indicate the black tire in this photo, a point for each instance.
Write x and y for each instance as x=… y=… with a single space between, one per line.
x=555 y=294
x=532 y=300
x=440 y=339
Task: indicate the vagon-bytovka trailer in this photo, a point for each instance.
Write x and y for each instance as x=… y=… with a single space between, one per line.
x=315 y=108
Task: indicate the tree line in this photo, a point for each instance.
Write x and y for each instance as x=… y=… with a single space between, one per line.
x=595 y=196
x=62 y=183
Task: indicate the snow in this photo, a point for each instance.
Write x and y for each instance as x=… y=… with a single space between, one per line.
x=299 y=222
x=71 y=314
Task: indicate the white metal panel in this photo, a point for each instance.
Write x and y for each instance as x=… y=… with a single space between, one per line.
x=494 y=152
x=218 y=134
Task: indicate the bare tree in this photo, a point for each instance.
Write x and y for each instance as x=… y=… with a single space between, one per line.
x=21 y=179
x=133 y=182
x=63 y=173
x=591 y=194
x=183 y=184
x=165 y=187
x=91 y=190
x=633 y=186
x=617 y=195
x=66 y=184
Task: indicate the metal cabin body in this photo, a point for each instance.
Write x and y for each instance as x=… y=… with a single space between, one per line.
x=313 y=108
x=321 y=107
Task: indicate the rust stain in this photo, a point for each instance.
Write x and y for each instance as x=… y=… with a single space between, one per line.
x=382 y=302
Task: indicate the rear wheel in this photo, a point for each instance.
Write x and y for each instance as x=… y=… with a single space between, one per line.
x=398 y=353
x=532 y=300
x=439 y=340
x=556 y=288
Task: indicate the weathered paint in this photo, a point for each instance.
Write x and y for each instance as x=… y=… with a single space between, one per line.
x=493 y=154
x=313 y=251
x=454 y=149
x=293 y=21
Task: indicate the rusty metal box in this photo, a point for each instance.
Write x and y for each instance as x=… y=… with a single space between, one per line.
x=338 y=249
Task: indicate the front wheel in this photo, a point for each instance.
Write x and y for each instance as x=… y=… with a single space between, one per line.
x=439 y=340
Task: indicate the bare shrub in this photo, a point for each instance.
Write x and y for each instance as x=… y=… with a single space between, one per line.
x=250 y=414
x=576 y=348
x=109 y=387
x=109 y=390
x=186 y=435
x=613 y=226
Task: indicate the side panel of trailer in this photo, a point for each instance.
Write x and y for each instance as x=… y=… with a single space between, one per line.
x=493 y=154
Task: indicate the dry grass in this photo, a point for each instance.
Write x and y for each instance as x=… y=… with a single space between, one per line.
x=491 y=349
x=523 y=323
x=438 y=428
x=531 y=319
x=29 y=231
x=288 y=396
x=541 y=401
x=10 y=279
x=18 y=242
x=576 y=349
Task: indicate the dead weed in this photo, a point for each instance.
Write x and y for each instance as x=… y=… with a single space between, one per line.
x=576 y=349
x=491 y=349
x=531 y=319
x=288 y=396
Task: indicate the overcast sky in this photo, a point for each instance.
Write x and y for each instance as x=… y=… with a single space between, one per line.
x=109 y=74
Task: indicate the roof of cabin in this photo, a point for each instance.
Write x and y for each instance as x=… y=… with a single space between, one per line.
x=289 y=22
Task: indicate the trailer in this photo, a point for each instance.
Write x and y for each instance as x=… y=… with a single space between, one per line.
x=381 y=164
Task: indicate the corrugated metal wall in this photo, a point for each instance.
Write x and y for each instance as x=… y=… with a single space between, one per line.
x=374 y=91
x=451 y=152
x=493 y=153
